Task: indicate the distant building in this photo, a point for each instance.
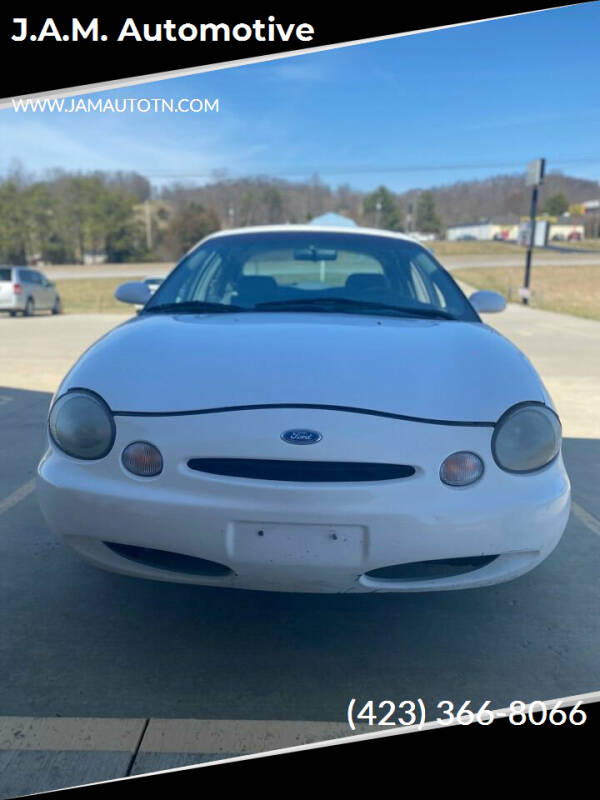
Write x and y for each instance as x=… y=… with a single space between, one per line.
x=36 y=260
x=591 y=207
x=547 y=229
x=505 y=229
x=553 y=229
x=566 y=228
x=94 y=257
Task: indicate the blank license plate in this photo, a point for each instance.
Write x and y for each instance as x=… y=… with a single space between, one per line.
x=285 y=544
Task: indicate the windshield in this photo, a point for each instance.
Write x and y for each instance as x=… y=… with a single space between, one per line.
x=312 y=271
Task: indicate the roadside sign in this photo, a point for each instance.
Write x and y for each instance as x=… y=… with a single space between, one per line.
x=535 y=172
x=524 y=293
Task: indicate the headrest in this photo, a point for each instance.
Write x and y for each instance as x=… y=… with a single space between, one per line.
x=252 y=283
x=359 y=281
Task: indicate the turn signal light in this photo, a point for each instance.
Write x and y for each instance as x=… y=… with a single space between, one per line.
x=461 y=469
x=143 y=459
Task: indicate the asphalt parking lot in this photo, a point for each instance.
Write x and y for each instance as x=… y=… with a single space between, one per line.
x=99 y=670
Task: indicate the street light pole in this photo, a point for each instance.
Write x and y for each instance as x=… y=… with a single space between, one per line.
x=535 y=175
x=148 y=223
x=378 y=207
x=532 y=216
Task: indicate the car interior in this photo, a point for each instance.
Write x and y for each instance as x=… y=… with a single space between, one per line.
x=250 y=290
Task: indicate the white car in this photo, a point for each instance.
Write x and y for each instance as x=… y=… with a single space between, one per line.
x=311 y=410
x=25 y=291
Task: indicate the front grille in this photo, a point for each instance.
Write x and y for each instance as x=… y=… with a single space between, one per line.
x=301 y=471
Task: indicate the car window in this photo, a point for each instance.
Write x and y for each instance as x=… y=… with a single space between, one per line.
x=198 y=279
x=286 y=268
x=5 y=274
x=419 y=287
x=361 y=272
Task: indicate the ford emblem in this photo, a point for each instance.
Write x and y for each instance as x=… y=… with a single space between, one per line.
x=301 y=436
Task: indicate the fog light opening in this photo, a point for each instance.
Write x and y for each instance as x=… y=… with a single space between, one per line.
x=431 y=570
x=170 y=561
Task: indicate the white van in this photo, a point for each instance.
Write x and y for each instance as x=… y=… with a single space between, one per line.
x=25 y=291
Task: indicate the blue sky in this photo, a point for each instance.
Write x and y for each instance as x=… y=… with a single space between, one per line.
x=413 y=111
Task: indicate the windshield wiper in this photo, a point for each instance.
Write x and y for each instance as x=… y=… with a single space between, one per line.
x=194 y=306
x=317 y=303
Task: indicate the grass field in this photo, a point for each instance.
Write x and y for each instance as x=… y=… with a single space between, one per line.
x=566 y=289
x=473 y=248
x=501 y=248
x=92 y=296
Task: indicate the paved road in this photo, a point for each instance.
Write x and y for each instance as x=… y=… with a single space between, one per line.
x=37 y=352
x=80 y=645
x=141 y=270
x=540 y=258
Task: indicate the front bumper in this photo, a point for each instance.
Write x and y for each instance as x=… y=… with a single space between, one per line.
x=310 y=537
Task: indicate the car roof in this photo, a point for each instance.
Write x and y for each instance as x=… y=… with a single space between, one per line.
x=350 y=231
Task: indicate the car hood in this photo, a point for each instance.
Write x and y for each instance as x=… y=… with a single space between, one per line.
x=429 y=369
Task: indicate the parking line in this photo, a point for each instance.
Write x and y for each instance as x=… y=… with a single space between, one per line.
x=194 y=736
x=16 y=496
x=589 y=520
x=236 y=735
x=70 y=733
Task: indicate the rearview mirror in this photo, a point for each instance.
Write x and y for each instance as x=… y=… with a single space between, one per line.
x=486 y=302
x=313 y=253
x=134 y=292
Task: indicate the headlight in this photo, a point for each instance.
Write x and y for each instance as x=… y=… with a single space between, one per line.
x=526 y=438
x=81 y=425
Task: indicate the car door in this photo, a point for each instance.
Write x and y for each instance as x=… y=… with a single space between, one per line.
x=48 y=291
x=29 y=287
x=40 y=291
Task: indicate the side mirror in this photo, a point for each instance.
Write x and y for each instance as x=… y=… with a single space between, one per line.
x=486 y=302
x=134 y=292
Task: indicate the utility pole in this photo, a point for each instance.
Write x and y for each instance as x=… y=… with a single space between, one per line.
x=378 y=207
x=148 y=220
x=535 y=176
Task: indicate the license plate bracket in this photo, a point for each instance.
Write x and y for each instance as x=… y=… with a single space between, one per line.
x=289 y=544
